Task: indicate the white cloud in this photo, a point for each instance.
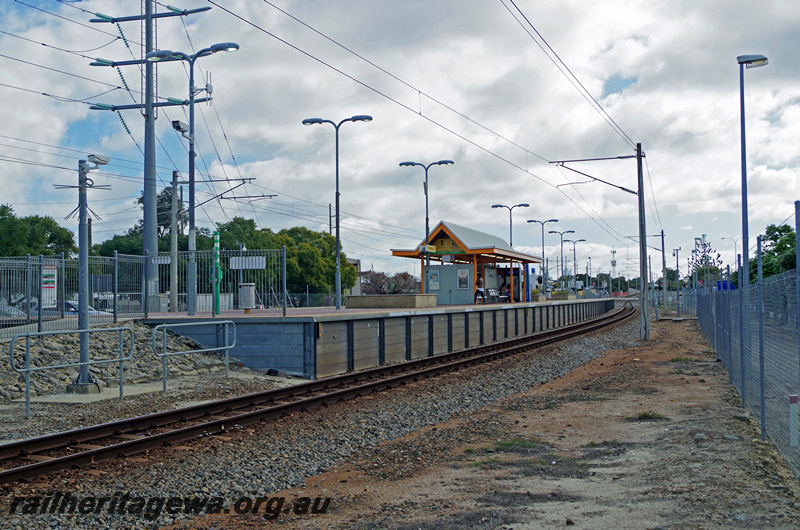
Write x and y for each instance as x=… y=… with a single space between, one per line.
x=470 y=55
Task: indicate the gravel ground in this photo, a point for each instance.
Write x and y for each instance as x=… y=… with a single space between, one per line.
x=256 y=462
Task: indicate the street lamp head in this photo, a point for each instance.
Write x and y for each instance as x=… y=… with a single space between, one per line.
x=498 y=206
x=224 y=47
x=404 y=164
x=569 y=232
x=554 y=232
x=522 y=204
x=752 y=61
x=159 y=55
x=361 y=117
x=445 y=162
x=551 y=221
x=312 y=121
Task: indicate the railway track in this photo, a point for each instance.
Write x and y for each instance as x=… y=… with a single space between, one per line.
x=25 y=459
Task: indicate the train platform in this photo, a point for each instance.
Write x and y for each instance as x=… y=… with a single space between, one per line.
x=315 y=342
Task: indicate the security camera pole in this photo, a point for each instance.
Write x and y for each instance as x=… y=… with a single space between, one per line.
x=85 y=383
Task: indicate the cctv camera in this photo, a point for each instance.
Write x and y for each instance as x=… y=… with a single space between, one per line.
x=100 y=160
x=180 y=126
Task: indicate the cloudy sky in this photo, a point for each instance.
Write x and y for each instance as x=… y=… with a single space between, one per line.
x=500 y=87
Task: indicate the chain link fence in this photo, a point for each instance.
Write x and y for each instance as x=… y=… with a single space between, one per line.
x=754 y=332
x=40 y=293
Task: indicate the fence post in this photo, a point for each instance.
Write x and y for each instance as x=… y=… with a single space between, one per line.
x=28 y=286
x=793 y=419
x=41 y=289
x=145 y=283
x=63 y=285
x=116 y=285
x=283 y=260
x=741 y=329
x=760 y=309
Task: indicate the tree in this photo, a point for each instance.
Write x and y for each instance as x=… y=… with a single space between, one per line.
x=777 y=253
x=163 y=213
x=381 y=283
x=778 y=250
x=705 y=262
x=310 y=255
x=33 y=235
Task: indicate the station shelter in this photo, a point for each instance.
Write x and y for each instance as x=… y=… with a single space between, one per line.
x=458 y=254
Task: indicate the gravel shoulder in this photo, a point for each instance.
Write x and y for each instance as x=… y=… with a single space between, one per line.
x=633 y=439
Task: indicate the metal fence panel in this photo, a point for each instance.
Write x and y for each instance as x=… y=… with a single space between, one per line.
x=260 y=267
x=39 y=293
x=730 y=321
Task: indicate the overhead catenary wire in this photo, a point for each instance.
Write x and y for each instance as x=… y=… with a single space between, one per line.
x=561 y=65
x=448 y=129
x=394 y=100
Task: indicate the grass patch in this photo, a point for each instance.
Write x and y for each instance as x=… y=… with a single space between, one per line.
x=515 y=444
x=677 y=372
x=487 y=462
x=647 y=416
x=681 y=360
x=694 y=373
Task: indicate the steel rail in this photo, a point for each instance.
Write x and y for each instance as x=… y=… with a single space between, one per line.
x=386 y=377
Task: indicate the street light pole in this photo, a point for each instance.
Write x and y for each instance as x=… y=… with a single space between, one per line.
x=735 y=246
x=544 y=275
x=426 y=282
x=574 y=262
x=510 y=222
x=191 y=273
x=590 y=272
x=676 y=252
x=562 y=245
x=749 y=61
x=315 y=121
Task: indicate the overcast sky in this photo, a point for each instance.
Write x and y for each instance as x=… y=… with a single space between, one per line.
x=466 y=80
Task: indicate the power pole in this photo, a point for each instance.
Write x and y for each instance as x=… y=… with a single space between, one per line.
x=663 y=273
x=173 y=247
x=149 y=196
x=613 y=267
x=644 y=331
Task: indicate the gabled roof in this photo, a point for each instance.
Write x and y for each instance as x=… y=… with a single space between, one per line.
x=471 y=238
x=470 y=242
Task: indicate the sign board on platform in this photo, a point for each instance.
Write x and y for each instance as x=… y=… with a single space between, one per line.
x=247 y=262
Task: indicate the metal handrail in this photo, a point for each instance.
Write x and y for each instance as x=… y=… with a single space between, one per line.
x=165 y=354
x=28 y=368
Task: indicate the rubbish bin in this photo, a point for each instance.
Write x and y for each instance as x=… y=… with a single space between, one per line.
x=547 y=293
x=247 y=296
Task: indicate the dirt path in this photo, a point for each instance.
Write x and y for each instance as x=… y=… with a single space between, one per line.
x=646 y=437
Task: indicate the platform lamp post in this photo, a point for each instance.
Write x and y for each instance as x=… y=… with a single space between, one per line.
x=161 y=55
x=426 y=282
x=510 y=222
x=544 y=275
x=317 y=121
x=746 y=61
x=574 y=261
x=735 y=246
x=676 y=253
x=561 y=234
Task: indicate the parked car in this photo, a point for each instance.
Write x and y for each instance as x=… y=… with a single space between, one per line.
x=11 y=316
x=70 y=310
